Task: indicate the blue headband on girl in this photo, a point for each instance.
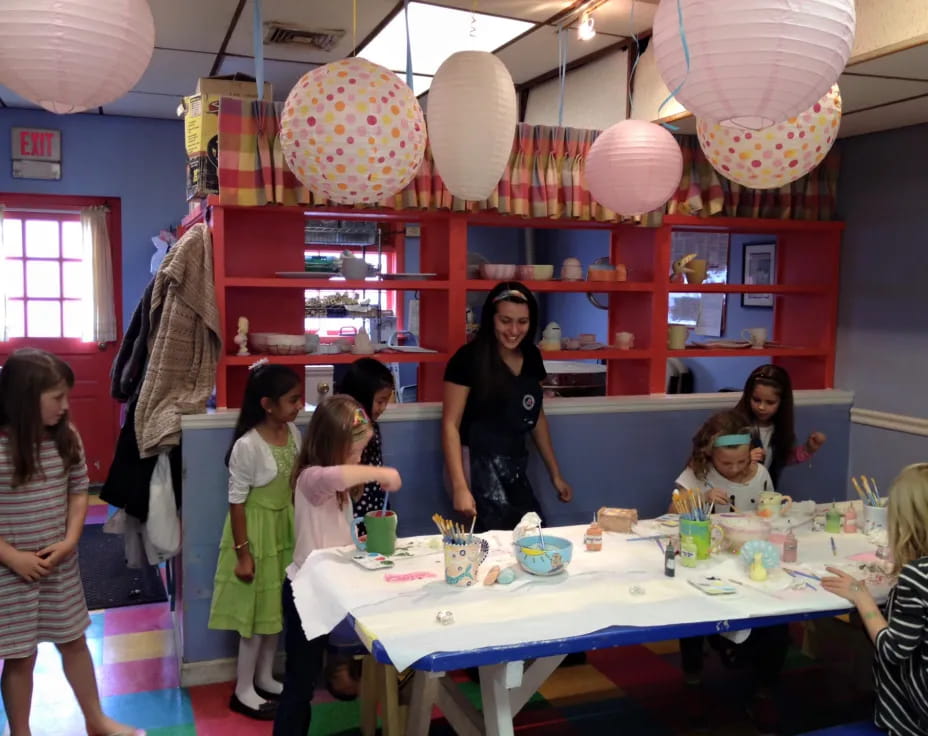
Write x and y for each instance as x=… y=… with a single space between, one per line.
x=732 y=440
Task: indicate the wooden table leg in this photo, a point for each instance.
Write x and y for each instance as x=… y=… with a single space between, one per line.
x=424 y=696
x=369 y=695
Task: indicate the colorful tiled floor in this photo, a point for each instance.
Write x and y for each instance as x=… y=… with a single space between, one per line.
x=635 y=690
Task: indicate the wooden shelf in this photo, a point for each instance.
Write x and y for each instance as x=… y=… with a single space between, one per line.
x=334 y=284
x=604 y=354
x=749 y=353
x=750 y=288
x=596 y=287
x=331 y=358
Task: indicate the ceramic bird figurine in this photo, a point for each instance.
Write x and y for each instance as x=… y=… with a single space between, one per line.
x=680 y=268
x=758 y=572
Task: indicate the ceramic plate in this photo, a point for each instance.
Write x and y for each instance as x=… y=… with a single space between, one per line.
x=721 y=344
x=407 y=276
x=305 y=274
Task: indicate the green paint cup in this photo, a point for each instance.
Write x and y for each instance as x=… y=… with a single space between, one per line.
x=381 y=532
x=698 y=534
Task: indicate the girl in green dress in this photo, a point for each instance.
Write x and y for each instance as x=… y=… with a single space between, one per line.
x=257 y=540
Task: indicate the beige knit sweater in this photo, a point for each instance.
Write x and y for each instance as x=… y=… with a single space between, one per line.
x=184 y=343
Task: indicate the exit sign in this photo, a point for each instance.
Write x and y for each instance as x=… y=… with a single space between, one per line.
x=36 y=153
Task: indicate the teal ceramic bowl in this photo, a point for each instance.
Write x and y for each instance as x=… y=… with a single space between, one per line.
x=550 y=560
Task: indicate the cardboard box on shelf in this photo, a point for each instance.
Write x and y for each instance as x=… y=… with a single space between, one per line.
x=201 y=127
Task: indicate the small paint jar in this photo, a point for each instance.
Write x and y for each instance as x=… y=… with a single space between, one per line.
x=833 y=520
x=593 y=538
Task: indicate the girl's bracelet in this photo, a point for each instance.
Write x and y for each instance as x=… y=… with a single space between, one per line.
x=237 y=547
x=870 y=614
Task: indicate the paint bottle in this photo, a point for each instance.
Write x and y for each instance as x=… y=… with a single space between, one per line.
x=833 y=520
x=850 y=520
x=790 y=547
x=670 y=562
x=593 y=538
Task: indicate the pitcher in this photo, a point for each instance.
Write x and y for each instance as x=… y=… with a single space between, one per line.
x=771 y=504
x=381 y=532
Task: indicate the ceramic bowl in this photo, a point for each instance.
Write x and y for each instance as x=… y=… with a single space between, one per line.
x=525 y=273
x=543 y=272
x=552 y=559
x=741 y=528
x=498 y=271
x=278 y=344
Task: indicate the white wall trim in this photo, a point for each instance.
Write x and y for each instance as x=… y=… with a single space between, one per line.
x=888 y=420
x=225 y=419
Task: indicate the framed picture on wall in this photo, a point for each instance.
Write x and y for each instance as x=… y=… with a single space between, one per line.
x=760 y=268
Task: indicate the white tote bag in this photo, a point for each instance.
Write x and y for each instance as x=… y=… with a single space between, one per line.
x=162 y=530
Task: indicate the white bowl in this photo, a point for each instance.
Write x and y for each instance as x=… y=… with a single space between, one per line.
x=354 y=269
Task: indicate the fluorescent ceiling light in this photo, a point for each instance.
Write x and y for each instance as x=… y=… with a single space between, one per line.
x=437 y=32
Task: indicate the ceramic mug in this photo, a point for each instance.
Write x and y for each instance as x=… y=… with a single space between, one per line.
x=624 y=340
x=381 y=532
x=874 y=518
x=676 y=336
x=757 y=336
x=621 y=272
x=700 y=533
x=463 y=560
x=770 y=503
x=697 y=271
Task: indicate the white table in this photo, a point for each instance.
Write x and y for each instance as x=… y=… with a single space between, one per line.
x=498 y=629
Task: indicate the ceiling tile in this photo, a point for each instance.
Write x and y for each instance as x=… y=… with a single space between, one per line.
x=192 y=26
x=174 y=72
x=321 y=15
x=911 y=64
x=140 y=105
x=861 y=92
x=536 y=53
x=885 y=118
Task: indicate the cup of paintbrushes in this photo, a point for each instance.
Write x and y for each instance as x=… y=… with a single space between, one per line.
x=699 y=533
x=875 y=518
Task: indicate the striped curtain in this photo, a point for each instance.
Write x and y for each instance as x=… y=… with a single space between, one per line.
x=543 y=179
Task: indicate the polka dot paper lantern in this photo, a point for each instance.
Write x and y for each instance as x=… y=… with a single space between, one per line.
x=472 y=116
x=353 y=132
x=753 y=63
x=778 y=155
x=633 y=167
x=73 y=55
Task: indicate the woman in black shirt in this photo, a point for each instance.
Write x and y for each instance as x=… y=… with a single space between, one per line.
x=492 y=400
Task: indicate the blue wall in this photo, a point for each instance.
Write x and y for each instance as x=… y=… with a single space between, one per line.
x=138 y=160
x=623 y=459
x=882 y=346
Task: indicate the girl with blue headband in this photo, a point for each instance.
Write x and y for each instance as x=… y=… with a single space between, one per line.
x=720 y=467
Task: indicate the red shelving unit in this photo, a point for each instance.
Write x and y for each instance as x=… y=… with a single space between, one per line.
x=251 y=244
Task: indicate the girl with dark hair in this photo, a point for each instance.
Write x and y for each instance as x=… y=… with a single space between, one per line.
x=492 y=400
x=767 y=403
x=370 y=383
x=257 y=539
x=43 y=504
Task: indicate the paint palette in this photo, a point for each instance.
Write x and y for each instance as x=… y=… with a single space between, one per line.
x=405 y=549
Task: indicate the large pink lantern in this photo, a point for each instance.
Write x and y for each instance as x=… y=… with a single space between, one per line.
x=633 y=167
x=774 y=156
x=74 y=55
x=753 y=63
x=353 y=132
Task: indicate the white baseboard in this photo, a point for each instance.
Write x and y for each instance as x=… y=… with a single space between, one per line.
x=211 y=671
x=887 y=420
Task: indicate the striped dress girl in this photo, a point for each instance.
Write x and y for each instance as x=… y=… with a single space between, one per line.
x=901 y=665
x=32 y=516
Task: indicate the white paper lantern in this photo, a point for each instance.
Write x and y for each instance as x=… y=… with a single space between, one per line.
x=352 y=132
x=74 y=55
x=472 y=118
x=753 y=63
x=633 y=167
x=774 y=156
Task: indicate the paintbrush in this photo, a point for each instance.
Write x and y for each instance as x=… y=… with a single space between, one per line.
x=860 y=493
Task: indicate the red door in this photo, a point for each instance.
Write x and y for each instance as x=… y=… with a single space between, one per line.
x=48 y=294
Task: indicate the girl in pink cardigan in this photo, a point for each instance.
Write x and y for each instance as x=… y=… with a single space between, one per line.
x=328 y=477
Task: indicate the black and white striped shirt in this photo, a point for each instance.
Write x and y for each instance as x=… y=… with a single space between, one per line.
x=901 y=665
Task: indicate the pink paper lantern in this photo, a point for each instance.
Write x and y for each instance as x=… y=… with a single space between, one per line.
x=774 y=156
x=353 y=132
x=633 y=167
x=74 y=55
x=753 y=63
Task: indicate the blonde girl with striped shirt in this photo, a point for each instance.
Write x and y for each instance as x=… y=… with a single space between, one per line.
x=901 y=634
x=43 y=502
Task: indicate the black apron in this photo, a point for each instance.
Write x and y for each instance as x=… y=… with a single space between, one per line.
x=499 y=457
